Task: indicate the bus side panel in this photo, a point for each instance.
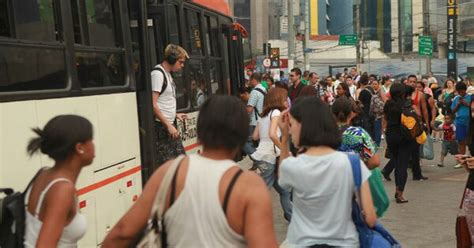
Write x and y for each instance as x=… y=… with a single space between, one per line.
x=86 y=107
x=188 y=132
x=16 y=121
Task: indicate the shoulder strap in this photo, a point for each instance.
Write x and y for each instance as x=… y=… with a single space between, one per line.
x=45 y=190
x=229 y=190
x=261 y=91
x=173 y=186
x=33 y=179
x=160 y=198
x=165 y=79
x=356 y=173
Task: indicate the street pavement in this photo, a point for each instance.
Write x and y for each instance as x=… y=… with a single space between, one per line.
x=427 y=220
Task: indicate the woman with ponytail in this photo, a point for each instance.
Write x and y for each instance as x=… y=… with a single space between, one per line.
x=52 y=213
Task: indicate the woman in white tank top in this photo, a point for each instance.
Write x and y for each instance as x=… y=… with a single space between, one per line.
x=52 y=214
x=211 y=202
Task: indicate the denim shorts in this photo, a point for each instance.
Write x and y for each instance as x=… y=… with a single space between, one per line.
x=449 y=146
x=461 y=131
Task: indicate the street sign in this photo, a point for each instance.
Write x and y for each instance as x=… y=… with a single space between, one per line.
x=348 y=40
x=425 y=46
x=267 y=62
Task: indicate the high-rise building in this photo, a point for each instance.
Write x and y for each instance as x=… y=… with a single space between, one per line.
x=331 y=17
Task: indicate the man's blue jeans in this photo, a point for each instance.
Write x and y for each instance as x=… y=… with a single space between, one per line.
x=268 y=174
x=248 y=147
x=378 y=131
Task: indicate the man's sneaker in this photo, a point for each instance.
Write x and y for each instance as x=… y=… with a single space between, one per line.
x=458 y=166
x=422 y=178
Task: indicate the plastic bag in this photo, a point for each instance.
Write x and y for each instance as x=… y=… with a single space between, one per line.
x=379 y=195
x=427 y=150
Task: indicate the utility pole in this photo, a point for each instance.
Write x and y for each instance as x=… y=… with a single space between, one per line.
x=357 y=6
x=291 y=31
x=306 y=35
x=426 y=30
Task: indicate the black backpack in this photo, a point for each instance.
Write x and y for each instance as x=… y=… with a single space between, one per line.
x=12 y=216
x=165 y=80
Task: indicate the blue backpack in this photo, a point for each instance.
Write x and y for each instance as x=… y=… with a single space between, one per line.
x=378 y=237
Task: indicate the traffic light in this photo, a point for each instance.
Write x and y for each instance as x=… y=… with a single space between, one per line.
x=275 y=57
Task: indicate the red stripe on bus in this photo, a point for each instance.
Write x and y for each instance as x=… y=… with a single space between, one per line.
x=109 y=180
x=190 y=147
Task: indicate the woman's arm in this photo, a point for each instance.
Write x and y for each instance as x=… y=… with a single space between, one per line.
x=57 y=205
x=273 y=131
x=125 y=231
x=283 y=123
x=367 y=204
x=373 y=162
x=258 y=219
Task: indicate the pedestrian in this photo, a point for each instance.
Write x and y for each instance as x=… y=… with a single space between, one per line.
x=468 y=194
x=447 y=95
x=313 y=79
x=398 y=146
x=376 y=111
x=320 y=178
x=343 y=90
x=354 y=139
x=461 y=108
x=449 y=138
x=430 y=104
x=365 y=97
x=212 y=203
x=296 y=85
x=355 y=75
x=168 y=142
x=352 y=86
x=52 y=214
x=254 y=108
x=419 y=104
x=268 y=150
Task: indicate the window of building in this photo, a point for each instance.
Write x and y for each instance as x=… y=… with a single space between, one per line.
x=36 y=20
x=26 y=68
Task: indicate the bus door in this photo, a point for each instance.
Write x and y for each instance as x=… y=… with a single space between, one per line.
x=235 y=56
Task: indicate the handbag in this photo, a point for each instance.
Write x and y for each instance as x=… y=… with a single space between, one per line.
x=155 y=235
x=377 y=237
x=379 y=195
x=463 y=235
x=427 y=149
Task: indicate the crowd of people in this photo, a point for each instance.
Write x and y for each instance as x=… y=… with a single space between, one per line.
x=299 y=133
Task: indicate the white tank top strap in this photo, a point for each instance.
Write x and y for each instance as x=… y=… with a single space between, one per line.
x=43 y=193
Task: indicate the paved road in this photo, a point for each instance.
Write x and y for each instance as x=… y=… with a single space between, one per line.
x=427 y=220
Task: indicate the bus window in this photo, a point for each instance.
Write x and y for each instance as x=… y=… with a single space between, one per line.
x=45 y=67
x=207 y=28
x=101 y=23
x=4 y=23
x=35 y=20
x=173 y=24
x=95 y=26
x=100 y=69
x=193 y=32
x=215 y=75
x=198 y=83
x=215 y=37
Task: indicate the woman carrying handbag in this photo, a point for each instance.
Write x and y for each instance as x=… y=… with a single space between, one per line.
x=211 y=202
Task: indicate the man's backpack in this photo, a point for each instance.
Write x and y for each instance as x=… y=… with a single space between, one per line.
x=165 y=80
x=412 y=126
x=12 y=216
